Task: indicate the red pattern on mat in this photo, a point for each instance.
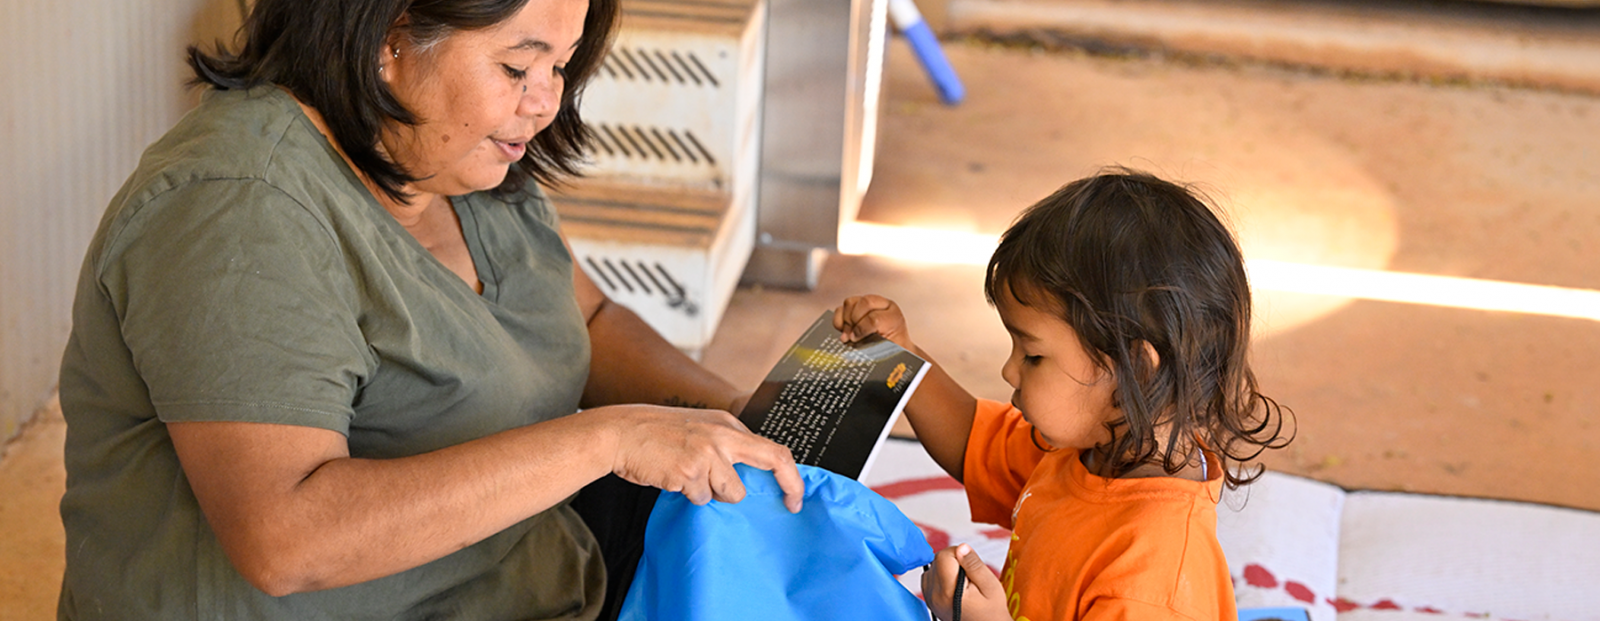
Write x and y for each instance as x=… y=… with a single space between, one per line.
x=909 y=487
x=938 y=539
x=995 y=533
x=1260 y=577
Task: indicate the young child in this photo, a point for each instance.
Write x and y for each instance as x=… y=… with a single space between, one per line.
x=1134 y=405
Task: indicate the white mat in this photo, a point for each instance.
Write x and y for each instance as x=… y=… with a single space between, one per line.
x=1345 y=556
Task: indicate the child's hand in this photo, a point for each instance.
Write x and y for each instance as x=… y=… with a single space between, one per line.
x=865 y=315
x=982 y=599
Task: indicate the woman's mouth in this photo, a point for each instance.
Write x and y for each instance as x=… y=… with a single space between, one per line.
x=512 y=151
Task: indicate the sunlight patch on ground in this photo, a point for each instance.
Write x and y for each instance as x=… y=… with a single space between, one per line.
x=960 y=248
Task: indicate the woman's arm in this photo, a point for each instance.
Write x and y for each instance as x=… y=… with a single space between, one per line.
x=294 y=512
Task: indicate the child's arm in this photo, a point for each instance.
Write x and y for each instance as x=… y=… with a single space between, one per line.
x=941 y=410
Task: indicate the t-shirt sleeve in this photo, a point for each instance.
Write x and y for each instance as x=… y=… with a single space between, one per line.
x=236 y=304
x=1001 y=455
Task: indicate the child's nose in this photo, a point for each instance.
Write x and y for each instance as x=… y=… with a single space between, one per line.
x=1008 y=372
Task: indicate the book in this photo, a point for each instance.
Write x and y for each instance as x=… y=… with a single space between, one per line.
x=833 y=403
x=1374 y=555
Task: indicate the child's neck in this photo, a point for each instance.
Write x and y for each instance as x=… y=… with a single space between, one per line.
x=1193 y=471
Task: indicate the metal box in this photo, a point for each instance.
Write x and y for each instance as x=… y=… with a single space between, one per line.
x=664 y=220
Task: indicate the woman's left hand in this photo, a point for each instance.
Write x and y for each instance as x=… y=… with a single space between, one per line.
x=983 y=598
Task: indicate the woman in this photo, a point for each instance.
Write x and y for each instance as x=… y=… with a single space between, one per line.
x=328 y=342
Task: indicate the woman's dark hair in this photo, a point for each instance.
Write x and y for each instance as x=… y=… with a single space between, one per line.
x=1126 y=259
x=326 y=53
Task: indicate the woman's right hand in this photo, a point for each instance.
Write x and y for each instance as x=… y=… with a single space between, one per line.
x=861 y=316
x=693 y=451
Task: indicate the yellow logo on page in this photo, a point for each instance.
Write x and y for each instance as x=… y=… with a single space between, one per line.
x=897 y=374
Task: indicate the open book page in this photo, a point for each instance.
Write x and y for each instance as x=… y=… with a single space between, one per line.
x=1281 y=537
x=833 y=403
x=1410 y=556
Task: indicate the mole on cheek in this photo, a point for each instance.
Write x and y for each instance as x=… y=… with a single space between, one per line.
x=445 y=138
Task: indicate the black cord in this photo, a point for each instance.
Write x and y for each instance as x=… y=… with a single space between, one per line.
x=955 y=601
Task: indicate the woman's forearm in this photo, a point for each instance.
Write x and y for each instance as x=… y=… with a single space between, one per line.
x=295 y=513
x=631 y=363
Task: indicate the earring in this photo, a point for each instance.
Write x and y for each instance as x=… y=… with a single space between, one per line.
x=395 y=52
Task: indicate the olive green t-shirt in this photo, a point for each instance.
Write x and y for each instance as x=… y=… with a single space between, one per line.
x=244 y=274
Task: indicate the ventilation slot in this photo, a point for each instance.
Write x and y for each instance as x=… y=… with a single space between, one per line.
x=637 y=278
x=654 y=65
x=652 y=143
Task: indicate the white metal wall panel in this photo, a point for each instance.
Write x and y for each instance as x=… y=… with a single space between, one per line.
x=87 y=85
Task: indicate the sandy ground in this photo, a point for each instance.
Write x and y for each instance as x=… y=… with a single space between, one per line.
x=1460 y=180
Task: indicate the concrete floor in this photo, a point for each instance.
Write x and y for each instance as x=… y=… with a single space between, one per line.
x=1462 y=180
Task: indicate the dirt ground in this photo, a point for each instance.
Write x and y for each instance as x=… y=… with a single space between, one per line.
x=1477 y=181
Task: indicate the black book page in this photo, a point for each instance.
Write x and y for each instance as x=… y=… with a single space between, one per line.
x=833 y=403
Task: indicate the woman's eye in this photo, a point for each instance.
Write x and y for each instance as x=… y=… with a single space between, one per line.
x=561 y=72
x=515 y=73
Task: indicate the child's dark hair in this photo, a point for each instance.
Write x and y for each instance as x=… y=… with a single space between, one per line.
x=1125 y=259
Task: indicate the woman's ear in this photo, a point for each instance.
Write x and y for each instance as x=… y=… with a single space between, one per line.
x=386 y=59
x=390 y=52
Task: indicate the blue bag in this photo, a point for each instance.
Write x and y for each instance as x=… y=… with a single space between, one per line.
x=836 y=559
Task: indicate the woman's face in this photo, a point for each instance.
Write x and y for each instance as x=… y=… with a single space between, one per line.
x=480 y=95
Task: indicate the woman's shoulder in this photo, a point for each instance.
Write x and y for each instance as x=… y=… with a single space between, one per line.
x=231 y=134
x=235 y=151
x=238 y=138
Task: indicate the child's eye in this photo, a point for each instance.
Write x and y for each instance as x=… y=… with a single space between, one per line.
x=515 y=73
x=1032 y=360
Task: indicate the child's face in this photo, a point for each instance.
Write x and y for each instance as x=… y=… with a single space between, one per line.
x=1057 y=385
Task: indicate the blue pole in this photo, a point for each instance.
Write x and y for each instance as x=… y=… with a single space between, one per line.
x=909 y=20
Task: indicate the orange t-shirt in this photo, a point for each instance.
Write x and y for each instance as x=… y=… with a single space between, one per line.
x=1090 y=548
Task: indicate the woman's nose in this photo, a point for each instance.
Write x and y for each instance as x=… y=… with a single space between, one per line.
x=542 y=99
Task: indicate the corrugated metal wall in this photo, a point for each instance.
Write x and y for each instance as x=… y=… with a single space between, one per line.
x=86 y=85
